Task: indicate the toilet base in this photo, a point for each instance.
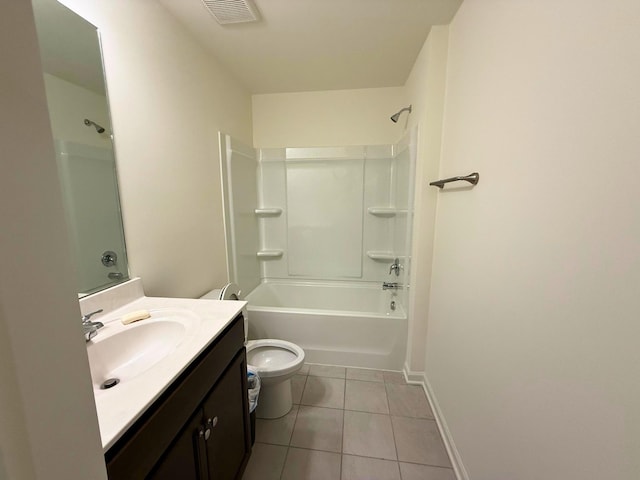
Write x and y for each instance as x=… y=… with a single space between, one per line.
x=275 y=400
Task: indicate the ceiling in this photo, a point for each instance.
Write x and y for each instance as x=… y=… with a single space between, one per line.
x=310 y=45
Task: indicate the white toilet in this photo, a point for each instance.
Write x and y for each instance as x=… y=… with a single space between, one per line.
x=275 y=360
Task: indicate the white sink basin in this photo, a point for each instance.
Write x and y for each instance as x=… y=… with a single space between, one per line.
x=123 y=352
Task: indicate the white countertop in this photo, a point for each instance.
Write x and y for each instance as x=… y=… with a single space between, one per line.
x=119 y=407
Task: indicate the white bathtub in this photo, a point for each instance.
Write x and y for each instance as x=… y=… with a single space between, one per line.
x=346 y=324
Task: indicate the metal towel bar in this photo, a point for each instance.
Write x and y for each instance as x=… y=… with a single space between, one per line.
x=472 y=178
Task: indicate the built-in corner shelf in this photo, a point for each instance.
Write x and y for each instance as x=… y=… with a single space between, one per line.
x=269 y=254
x=386 y=211
x=380 y=256
x=268 y=212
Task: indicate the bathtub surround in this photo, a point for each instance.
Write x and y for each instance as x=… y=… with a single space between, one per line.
x=324 y=215
x=240 y=198
x=343 y=211
x=321 y=213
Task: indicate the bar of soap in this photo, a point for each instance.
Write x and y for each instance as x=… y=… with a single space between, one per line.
x=135 y=316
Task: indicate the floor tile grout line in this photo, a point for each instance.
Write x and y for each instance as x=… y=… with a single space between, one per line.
x=289 y=447
x=397 y=461
x=343 y=439
x=304 y=385
x=354 y=367
x=341 y=447
x=319 y=406
x=295 y=447
x=426 y=465
x=293 y=428
x=393 y=433
x=286 y=456
x=344 y=399
x=294 y=425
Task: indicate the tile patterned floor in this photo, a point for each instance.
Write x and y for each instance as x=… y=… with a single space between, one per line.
x=351 y=424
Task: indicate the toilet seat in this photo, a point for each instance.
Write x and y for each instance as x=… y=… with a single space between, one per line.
x=272 y=360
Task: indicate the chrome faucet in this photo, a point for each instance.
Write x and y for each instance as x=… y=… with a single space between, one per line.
x=390 y=286
x=395 y=267
x=90 y=328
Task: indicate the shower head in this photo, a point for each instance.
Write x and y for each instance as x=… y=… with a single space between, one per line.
x=396 y=116
x=91 y=123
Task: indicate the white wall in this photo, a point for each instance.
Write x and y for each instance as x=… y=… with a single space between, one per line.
x=327 y=118
x=425 y=90
x=48 y=424
x=533 y=325
x=168 y=100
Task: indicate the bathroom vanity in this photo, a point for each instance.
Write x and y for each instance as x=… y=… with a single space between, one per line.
x=180 y=409
x=199 y=427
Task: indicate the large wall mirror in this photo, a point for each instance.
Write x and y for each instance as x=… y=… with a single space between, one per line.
x=81 y=126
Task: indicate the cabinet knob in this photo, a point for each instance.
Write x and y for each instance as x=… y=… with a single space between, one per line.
x=207 y=433
x=212 y=422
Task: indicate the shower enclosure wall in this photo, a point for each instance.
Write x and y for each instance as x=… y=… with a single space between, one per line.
x=312 y=234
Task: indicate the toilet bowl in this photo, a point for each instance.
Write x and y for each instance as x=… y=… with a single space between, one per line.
x=275 y=360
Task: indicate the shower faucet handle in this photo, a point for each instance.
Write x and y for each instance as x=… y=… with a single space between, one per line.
x=395 y=267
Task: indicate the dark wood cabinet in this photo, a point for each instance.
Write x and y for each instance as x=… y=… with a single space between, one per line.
x=199 y=428
x=224 y=411
x=184 y=459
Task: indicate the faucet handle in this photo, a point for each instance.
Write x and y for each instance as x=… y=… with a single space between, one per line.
x=85 y=318
x=395 y=267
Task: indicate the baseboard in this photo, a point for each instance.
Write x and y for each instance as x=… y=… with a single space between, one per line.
x=420 y=378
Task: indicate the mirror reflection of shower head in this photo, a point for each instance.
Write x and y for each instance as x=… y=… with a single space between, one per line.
x=395 y=117
x=91 y=123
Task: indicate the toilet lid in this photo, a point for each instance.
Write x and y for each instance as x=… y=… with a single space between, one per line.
x=231 y=291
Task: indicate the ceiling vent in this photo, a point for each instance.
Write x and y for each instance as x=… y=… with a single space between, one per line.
x=232 y=11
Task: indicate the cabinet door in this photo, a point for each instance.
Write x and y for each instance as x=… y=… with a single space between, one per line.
x=185 y=459
x=226 y=412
